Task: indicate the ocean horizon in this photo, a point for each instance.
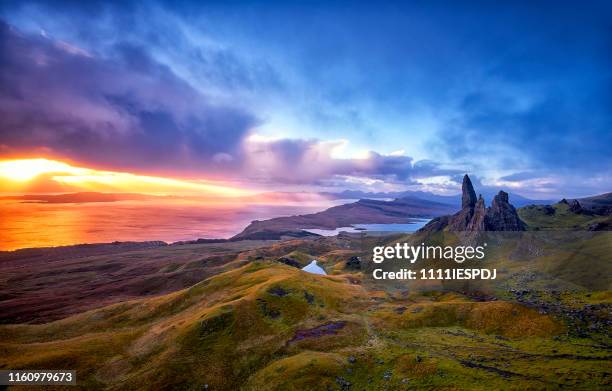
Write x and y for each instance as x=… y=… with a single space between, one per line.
x=39 y=224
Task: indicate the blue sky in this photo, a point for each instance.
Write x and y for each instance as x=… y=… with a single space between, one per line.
x=318 y=95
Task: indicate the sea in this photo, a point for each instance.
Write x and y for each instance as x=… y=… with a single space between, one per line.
x=36 y=224
x=25 y=224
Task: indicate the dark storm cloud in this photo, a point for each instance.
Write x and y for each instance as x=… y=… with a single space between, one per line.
x=128 y=111
x=487 y=87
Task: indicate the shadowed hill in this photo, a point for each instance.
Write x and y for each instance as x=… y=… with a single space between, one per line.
x=599 y=204
x=589 y=214
x=43 y=284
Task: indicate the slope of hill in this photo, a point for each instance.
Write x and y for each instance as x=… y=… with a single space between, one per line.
x=365 y=211
x=600 y=204
x=590 y=215
x=43 y=284
x=255 y=323
x=270 y=326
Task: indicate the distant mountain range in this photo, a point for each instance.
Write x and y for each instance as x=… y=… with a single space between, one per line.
x=454 y=200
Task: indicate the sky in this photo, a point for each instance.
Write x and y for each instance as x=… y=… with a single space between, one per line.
x=316 y=95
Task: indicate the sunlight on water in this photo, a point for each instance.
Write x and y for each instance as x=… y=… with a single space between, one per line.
x=314 y=268
x=30 y=224
x=373 y=228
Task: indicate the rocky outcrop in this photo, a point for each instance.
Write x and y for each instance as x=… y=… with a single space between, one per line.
x=600 y=205
x=437 y=224
x=353 y=263
x=468 y=195
x=575 y=206
x=502 y=216
x=475 y=216
x=597 y=205
x=289 y=262
x=461 y=220
x=601 y=226
x=478 y=221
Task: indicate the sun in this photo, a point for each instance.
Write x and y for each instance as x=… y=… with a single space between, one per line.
x=24 y=170
x=21 y=171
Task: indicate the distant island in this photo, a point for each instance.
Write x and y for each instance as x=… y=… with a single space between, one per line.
x=81 y=197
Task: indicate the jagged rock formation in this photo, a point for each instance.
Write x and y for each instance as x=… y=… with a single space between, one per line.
x=502 y=216
x=477 y=222
x=475 y=216
x=575 y=207
x=600 y=205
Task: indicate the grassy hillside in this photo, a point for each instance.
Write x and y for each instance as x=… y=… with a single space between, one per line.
x=254 y=323
x=271 y=326
x=557 y=217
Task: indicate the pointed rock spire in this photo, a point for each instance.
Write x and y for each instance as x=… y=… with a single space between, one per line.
x=468 y=195
x=474 y=216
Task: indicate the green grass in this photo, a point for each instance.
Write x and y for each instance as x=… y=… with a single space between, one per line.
x=537 y=218
x=236 y=330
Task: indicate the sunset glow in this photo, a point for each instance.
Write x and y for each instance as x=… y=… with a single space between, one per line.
x=23 y=170
x=15 y=175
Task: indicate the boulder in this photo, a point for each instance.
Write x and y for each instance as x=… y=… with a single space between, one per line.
x=353 y=263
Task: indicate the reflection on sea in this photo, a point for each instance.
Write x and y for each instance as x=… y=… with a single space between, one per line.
x=30 y=224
